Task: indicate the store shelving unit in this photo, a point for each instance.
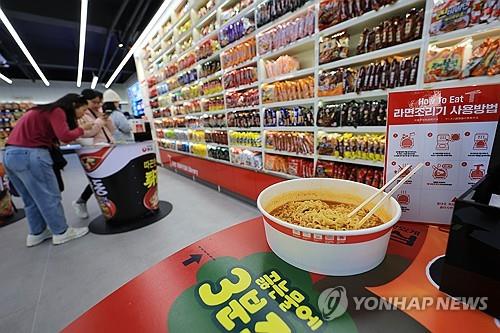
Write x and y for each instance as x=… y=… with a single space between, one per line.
x=307 y=51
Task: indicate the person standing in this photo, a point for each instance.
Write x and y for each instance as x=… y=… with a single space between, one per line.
x=111 y=106
x=102 y=132
x=29 y=166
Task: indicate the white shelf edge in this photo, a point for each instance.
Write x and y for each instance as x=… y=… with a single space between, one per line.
x=470 y=81
x=287 y=153
x=243 y=108
x=351 y=161
x=359 y=129
x=290 y=128
x=246 y=129
x=257 y=149
x=212 y=95
x=463 y=33
x=280 y=174
x=217 y=144
x=364 y=94
x=246 y=86
x=288 y=103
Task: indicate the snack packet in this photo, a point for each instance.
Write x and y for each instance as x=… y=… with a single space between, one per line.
x=447 y=63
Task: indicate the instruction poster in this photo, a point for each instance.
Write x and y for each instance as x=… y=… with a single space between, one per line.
x=450 y=130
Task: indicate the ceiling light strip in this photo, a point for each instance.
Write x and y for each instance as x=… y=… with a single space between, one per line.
x=94 y=82
x=23 y=48
x=5 y=78
x=163 y=8
x=83 y=32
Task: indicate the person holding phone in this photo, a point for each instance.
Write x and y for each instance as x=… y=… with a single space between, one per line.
x=111 y=106
x=102 y=133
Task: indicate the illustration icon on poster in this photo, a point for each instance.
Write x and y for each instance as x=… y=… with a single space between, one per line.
x=480 y=141
x=478 y=172
x=407 y=141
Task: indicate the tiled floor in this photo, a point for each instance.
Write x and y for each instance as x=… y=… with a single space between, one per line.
x=43 y=289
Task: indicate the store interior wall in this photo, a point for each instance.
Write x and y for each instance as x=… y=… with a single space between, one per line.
x=37 y=92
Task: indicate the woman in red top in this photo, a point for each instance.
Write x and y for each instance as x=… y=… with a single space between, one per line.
x=29 y=166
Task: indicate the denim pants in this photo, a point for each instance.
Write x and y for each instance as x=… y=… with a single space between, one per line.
x=30 y=171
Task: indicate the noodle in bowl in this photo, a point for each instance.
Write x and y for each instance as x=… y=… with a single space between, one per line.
x=327 y=251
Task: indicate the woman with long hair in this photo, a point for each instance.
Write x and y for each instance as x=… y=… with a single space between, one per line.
x=29 y=166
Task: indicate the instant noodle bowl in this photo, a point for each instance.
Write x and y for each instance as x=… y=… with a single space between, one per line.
x=328 y=252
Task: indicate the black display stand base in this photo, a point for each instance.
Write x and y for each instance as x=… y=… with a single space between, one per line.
x=101 y=227
x=18 y=215
x=435 y=270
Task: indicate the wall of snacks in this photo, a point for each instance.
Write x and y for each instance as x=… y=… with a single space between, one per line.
x=299 y=88
x=10 y=113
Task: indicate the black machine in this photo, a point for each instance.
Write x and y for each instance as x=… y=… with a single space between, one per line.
x=471 y=266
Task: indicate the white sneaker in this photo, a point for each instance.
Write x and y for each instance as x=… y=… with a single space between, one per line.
x=34 y=240
x=70 y=234
x=81 y=209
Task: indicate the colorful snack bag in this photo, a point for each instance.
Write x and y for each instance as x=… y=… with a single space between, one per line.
x=447 y=63
x=450 y=15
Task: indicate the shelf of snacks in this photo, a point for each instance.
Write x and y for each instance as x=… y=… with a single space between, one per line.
x=470 y=61
x=10 y=113
x=377 y=164
x=440 y=33
x=369 y=175
x=400 y=49
x=290 y=75
x=298 y=144
x=207 y=17
x=290 y=67
x=355 y=148
x=211 y=76
x=289 y=165
x=331 y=22
x=269 y=14
x=246 y=158
x=241 y=65
x=305 y=43
x=358 y=115
x=228 y=43
x=246 y=8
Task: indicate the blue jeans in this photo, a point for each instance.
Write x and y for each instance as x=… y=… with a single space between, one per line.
x=30 y=171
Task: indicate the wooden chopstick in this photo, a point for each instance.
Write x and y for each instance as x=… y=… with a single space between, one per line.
x=399 y=174
x=391 y=192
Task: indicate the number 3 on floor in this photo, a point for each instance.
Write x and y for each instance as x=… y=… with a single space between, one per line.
x=227 y=288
